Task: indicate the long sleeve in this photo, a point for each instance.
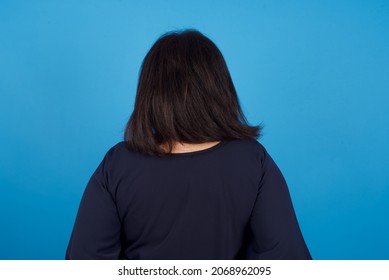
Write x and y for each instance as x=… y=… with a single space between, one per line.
x=275 y=229
x=96 y=232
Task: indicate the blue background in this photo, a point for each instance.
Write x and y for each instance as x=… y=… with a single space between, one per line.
x=315 y=73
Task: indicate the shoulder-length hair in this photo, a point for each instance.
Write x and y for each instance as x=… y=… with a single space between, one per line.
x=185 y=93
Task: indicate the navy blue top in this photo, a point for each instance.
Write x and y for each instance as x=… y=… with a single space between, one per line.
x=229 y=201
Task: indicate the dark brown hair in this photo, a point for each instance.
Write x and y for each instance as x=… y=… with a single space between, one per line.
x=185 y=93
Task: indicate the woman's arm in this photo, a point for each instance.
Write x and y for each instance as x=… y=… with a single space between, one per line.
x=274 y=225
x=96 y=232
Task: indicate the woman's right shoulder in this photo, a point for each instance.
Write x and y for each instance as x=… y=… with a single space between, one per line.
x=250 y=147
x=250 y=144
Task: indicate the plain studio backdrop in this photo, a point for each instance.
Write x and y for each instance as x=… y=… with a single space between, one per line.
x=315 y=73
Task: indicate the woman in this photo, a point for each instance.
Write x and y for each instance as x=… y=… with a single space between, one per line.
x=190 y=180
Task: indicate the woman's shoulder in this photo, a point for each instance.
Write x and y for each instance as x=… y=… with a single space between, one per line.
x=251 y=145
x=119 y=146
x=117 y=153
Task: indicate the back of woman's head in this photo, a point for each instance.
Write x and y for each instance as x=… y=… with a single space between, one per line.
x=185 y=93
